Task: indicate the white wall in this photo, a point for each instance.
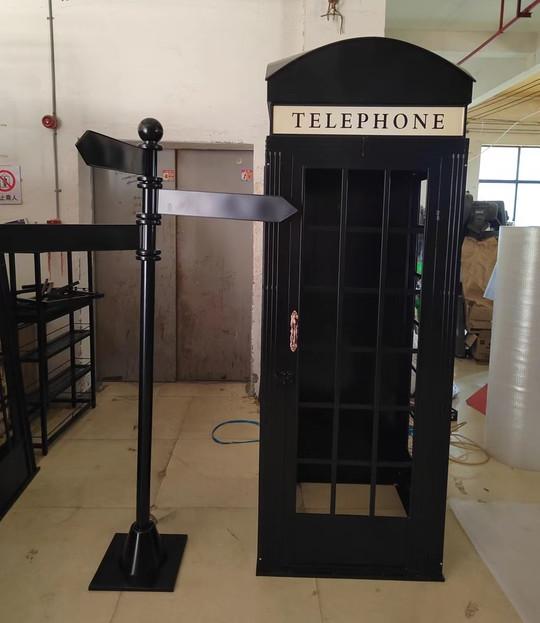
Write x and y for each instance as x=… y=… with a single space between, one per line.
x=25 y=98
x=362 y=18
x=197 y=66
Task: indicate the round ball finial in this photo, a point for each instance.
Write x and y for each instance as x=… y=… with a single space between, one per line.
x=150 y=130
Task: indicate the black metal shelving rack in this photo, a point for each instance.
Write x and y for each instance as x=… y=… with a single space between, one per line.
x=59 y=385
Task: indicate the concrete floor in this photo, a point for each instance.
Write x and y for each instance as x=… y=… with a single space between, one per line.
x=54 y=537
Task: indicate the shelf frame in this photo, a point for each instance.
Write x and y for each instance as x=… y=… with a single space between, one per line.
x=56 y=345
x=39 y=312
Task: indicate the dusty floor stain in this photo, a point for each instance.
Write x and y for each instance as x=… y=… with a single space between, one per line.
x=32 y=554
x=167 y=517
x=233 y=534
x=471 y=609
x=460 y=486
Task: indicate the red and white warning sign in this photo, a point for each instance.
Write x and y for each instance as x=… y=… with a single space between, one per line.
x=246 y=175
x=10 y=184
x=168 y=175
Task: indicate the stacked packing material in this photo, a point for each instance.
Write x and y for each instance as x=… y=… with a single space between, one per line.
x=478 y=258
x=513 y=406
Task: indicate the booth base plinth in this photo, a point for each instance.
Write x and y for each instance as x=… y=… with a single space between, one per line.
x=353 y=572
x=111 y=577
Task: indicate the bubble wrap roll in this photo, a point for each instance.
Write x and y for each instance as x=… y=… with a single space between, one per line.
x=513 y=407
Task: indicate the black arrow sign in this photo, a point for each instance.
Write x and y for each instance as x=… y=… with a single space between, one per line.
x=234 y=206
x=104 y=152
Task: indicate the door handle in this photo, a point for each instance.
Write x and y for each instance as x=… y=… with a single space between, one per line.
x=293 y=334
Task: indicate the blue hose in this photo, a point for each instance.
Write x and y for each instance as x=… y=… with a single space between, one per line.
x=236 y=441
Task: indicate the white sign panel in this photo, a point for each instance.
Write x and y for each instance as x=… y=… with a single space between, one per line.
x=10 y=184
x=369 y=120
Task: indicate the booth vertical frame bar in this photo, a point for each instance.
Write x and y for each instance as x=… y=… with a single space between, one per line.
x=338 y=336
x=379 y=341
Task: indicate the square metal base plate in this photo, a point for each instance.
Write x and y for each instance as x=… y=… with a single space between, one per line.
x=110 y=577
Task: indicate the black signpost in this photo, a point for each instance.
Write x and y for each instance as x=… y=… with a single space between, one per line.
x=144 y=560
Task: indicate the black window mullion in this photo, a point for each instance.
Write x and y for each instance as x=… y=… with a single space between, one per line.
x=338 y=347
x=486 y=180
x=378 y=348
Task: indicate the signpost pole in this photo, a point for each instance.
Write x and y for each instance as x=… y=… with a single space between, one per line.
x=143 y=560
x=143 y=553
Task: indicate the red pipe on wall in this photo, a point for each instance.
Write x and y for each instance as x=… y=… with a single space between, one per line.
x=526 y=12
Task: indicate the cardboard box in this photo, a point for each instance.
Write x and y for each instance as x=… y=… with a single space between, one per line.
x=478 y=317
x=478 y=258
x=479 y=343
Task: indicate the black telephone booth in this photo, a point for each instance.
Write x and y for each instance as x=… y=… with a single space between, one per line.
x=367 y=141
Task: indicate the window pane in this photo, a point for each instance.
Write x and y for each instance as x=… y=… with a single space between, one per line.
x=528 y=205
x=352 y=499
x=314 y=497
x=498 y=163
x=529 y=163
x=498 y=192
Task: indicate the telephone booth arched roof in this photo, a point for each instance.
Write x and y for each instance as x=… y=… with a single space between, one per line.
x=368 y=70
